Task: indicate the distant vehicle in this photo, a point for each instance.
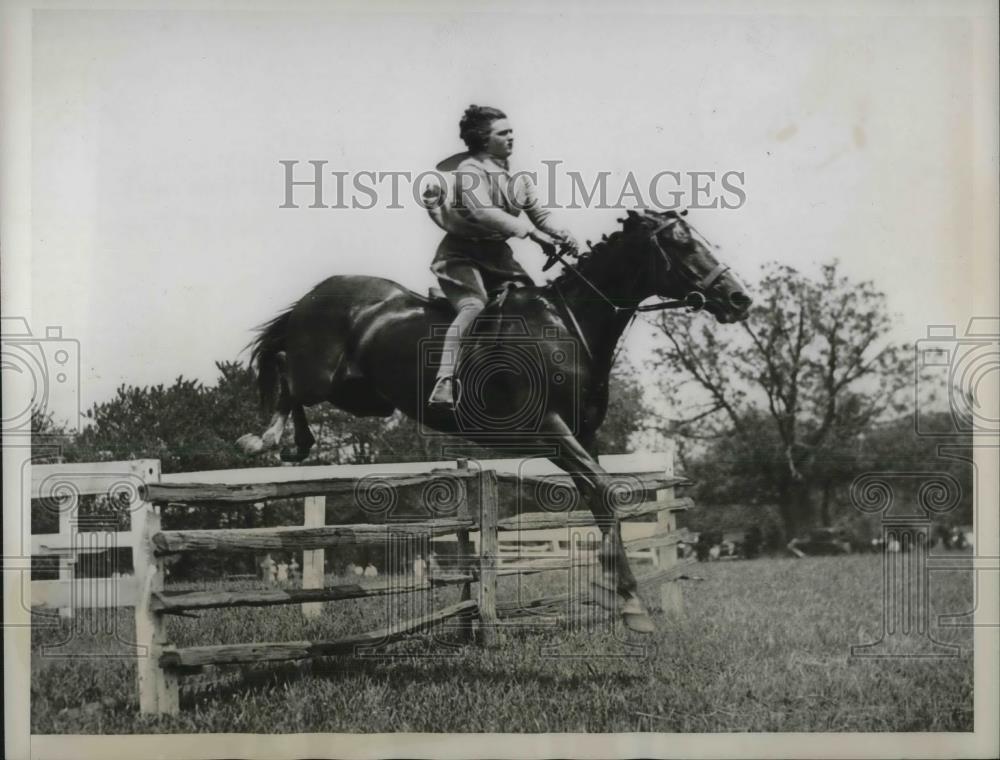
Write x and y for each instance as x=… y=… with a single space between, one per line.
x=716 y=545
x=821 y=542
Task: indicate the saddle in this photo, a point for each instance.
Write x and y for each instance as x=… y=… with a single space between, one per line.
x=497 y=297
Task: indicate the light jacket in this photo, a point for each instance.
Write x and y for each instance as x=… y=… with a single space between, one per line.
x=485 y=202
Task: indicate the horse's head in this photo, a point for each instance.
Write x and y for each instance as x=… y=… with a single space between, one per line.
x=683 y=267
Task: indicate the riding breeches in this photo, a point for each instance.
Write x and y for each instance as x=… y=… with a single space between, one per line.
x=469 y=298
x=468 y=270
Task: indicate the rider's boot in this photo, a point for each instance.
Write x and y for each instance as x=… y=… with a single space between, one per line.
x=447 y=390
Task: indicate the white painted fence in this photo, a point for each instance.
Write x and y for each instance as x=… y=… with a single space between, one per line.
x=62 y=486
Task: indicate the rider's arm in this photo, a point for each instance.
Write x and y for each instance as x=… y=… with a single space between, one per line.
x=540 y=215
x=433 y=199
x=474 y=196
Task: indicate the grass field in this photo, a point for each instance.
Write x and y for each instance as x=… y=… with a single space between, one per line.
x=763 y=645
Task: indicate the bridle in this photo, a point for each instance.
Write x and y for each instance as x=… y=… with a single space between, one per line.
x=694 y=300
x=698 y=286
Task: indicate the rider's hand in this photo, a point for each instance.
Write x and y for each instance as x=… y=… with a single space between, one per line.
x=546 y=241
x=566 y=239
x=433 y=194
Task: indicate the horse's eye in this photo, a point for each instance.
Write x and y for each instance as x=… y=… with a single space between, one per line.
x=680 y=234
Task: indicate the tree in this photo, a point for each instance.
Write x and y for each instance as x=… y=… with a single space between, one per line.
x=188 y=426
x=810 y=369
x=895 y=447
x=627 y=411
x=50 y=440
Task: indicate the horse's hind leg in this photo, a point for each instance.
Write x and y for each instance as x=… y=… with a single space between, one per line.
x=275 y=428
x=253 y=444
x=304 y=439
x=257 y=444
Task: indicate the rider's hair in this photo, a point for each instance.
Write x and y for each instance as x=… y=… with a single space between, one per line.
x=474 y=128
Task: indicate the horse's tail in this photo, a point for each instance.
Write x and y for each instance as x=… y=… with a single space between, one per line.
x=270 y=341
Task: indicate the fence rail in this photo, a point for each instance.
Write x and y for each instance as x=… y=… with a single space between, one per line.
x=489 y=547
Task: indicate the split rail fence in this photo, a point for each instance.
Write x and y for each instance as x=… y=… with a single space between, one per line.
x=465 y=509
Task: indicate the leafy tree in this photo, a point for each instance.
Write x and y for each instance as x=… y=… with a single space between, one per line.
x=783 y=392
x=627 y=412
x=50 y=441
x=895 y=447
x=187 y=426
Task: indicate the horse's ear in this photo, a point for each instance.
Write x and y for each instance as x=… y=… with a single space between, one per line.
x=630 y=218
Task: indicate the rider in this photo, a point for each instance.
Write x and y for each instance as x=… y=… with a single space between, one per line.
x=484 y=211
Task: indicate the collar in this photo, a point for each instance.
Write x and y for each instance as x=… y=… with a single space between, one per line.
x=501 y=164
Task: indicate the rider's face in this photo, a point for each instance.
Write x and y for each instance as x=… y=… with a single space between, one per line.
x=501 y=140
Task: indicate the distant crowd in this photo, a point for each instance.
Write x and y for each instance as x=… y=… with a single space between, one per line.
x=710 y=546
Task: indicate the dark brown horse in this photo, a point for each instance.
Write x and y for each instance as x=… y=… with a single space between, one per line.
x=533 y=372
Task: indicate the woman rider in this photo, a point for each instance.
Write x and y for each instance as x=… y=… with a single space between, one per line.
x=474 y=259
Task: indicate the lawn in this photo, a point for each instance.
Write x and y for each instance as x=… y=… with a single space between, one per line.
x=763 y=645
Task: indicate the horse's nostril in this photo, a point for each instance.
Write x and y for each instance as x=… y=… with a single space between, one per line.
x=740 y=300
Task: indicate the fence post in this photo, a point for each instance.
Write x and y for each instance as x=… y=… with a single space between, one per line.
x=666 y=556
x=313 y=562
x=67 y=556
x=465 y=554
x=158 y=688
x=670 y=591
x=488 y=551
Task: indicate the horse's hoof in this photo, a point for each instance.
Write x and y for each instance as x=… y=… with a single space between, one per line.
x=293 y=455
x=640 y=623
x=635 y=616
x=250 y=444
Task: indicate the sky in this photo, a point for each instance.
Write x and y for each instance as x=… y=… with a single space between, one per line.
x=157 y=237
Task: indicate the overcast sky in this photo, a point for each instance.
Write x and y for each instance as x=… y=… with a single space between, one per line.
x=157 y=237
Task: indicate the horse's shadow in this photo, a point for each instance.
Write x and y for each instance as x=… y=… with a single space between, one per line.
x=416 y=667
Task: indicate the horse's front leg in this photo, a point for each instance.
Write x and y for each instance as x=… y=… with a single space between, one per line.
x=594 y=483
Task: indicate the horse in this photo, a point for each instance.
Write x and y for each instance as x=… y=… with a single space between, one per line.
x=533 y=371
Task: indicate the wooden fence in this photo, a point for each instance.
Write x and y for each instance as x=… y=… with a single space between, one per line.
x=468 y=511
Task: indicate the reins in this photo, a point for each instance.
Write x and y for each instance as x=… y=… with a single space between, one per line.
x=693 y=300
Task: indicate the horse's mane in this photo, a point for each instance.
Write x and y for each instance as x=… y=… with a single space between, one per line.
x=595 y=257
